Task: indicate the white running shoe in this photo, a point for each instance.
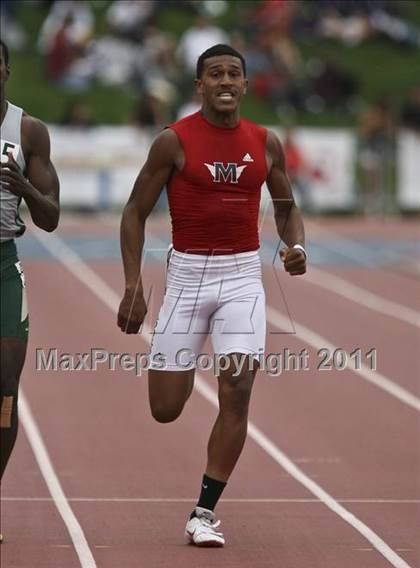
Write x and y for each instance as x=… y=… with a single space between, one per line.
x=201 y=529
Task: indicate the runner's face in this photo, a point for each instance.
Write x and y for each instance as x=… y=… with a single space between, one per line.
x=4 y=69
x=222 y=83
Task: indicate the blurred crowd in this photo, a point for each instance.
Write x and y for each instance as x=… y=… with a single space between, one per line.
x=132 y=52
x=128 y=49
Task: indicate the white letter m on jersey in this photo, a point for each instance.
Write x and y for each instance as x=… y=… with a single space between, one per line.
x=229 y=172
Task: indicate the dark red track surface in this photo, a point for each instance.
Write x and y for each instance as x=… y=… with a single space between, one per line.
x=356 y=441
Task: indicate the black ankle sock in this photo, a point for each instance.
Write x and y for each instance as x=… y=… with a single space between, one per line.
x=211 y=490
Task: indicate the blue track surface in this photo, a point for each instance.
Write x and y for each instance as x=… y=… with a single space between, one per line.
x=371 y=253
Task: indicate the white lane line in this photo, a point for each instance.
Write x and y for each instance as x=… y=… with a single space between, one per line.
x=362 y=296
x=286 y=463
x=356 y=293
x=44 y=462
x=223 y=500
x=357 y=250
x=82 y=271
x=317 y=341
x=101 y=289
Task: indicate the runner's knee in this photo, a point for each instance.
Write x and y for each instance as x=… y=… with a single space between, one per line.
x=234 y=396
x=165 y=413
x=235 y=386
x=168 y=393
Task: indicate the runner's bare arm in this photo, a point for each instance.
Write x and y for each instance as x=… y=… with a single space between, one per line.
x=39 y=185
x=286 y=213
x=147 y=188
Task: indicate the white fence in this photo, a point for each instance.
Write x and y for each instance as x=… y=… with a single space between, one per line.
x=97 y=167
x=408 y=160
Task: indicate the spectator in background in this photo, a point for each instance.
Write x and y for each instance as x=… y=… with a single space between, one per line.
x=62 y=52
x=376 y=158
x=152 y=111
x=275 y=20
x=296 y=170
x=275 y=69
x=351 y=29
x=78 y=115
x=118 y=61
x=354 y=22
x=129 y=18
x=300 y=171
x=196 y=39
x=79 y=32
x=63 y=39
x=159 y=62
x=113 y=61
x=276 y=80
x=411 y=110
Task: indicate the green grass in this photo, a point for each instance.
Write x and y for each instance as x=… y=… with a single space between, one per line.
x=382 y=68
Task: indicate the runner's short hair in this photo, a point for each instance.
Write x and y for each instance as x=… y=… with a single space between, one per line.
x=219 y=49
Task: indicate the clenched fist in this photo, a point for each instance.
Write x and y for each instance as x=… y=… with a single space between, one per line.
x=132 y=311
x=294 y=260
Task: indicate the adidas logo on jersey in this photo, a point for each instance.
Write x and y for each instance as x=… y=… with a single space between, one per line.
x=247 y=158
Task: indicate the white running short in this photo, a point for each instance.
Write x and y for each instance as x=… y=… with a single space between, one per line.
x=220 y=297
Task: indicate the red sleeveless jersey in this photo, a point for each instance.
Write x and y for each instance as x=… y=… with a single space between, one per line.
x=214 y=201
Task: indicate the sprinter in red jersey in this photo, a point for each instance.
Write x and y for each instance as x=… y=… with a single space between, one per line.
x=213 y=163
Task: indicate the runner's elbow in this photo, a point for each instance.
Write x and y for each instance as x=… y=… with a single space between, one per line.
x=48 y=224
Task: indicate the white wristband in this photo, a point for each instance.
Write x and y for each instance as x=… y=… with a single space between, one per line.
x=300 y=247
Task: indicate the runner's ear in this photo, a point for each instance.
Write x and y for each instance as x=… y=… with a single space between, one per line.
x=199 y=86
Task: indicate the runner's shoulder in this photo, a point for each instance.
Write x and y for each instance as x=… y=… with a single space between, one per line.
x=274 y=147
x=32 y=124
x=273 y=141
x=165 y=146
x=34 y=132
